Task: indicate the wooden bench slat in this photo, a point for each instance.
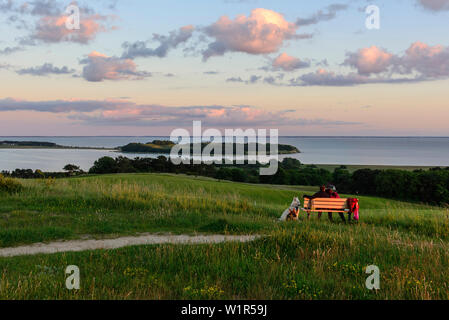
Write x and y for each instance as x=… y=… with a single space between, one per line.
x=320 y=204
x=330 y=207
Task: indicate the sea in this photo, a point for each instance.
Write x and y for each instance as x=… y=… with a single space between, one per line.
x=394 y=151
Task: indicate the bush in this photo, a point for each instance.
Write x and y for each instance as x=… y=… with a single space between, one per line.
x=9 y=185
x=104 y=165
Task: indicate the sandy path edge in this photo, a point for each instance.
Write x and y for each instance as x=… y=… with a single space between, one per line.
x=147 y=239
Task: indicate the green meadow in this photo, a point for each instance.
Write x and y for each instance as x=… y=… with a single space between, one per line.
x=309 y=259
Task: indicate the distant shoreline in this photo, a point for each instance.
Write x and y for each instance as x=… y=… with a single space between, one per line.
x=155 y=147
x=12 y=144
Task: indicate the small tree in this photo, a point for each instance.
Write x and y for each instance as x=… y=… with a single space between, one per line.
x=72 y=169
x=38 y=173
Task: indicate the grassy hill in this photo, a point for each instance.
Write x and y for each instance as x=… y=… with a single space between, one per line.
x=305 y=260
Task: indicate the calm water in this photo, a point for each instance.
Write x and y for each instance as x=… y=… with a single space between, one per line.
x=315 y=150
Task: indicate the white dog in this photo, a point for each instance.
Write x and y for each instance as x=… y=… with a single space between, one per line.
x=295 y=205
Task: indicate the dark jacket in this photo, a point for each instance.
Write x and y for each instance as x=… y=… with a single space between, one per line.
x=319 y=194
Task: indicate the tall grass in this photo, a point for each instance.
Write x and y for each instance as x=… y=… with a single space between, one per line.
x=307 y=263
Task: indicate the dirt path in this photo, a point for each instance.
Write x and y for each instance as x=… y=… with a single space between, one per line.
x=146 y=239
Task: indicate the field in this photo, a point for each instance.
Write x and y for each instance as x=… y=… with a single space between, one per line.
x=312 y=259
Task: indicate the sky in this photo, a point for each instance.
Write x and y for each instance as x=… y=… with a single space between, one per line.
x=148 y=67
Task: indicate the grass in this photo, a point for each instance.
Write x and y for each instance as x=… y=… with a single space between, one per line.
x=306 y=260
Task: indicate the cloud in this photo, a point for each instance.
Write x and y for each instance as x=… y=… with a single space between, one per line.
x=235 y=79
x=126 y=113
x=43 y=7
x=263 y=31
x=420 y=62
x=327 y=78
x=58 y=106
x=10 y=50
x=99 y=67
x=420 y=59
x=323 y=77
x=52 y=29
x=166 y=43
x=252 y=79
x=430 y=61
x=40 y=7
x=45 y=69
x=210 y=115
x=11 y=6
x=217 y=116
x=369 y=60
x=50 y=19
x=435 y=5
x=5 y=66
x=329 y=13
x=288 y=63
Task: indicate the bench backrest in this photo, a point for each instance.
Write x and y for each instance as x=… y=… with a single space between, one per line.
x=326 y=203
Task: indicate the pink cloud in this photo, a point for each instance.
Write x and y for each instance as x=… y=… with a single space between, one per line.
x=53 y=29
x=100 y=67
x=420 y=59
x=263 y=31
x=430 y=61
x=127 y=113
x=370 y=60
x=235 y=116
x=420 y=62
x=420 y=49
x=288 y=63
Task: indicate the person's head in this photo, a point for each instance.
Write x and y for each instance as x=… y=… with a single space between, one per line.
x=331 y=188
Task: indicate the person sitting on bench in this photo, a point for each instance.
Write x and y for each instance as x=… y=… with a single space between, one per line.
x=320 y=194
x=332 y=191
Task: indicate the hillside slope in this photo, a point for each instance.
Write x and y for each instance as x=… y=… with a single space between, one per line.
x=305 y=260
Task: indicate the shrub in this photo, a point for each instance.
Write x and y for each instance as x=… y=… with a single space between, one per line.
x=9 y=185
x=104 y=165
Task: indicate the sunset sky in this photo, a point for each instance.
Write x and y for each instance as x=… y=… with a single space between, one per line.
x=140 y=67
